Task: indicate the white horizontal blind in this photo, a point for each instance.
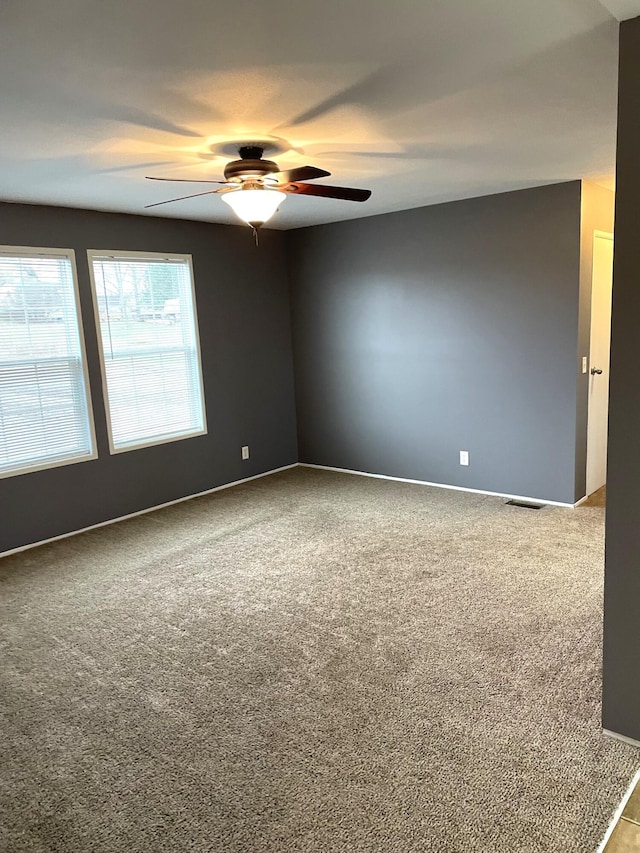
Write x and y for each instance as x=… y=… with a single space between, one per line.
x=44 y=403
x=150 y=350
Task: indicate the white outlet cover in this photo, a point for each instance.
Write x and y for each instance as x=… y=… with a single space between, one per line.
x=464 y=457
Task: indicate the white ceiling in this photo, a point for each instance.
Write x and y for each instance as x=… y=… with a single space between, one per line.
x=622 y=9
x=419 y=100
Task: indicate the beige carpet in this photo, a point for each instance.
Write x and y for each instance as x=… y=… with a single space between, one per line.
x=311 y=662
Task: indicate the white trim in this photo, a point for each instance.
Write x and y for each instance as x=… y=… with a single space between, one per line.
x=36 y=251
x=608 y=236
x=149 y=256
x=182 y=436
x=70 y=255
x=618 y=812
x=438 y=485
x=47 y=466
x=277 y=471
x=581 y=501
x=145 y=511
x=628 y=740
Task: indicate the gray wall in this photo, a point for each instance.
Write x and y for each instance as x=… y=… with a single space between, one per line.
x=244 y=319
x=621 y=690
x=454 y=327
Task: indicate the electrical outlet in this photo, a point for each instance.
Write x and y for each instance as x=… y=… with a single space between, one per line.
x=464 y=457
x=245 y=451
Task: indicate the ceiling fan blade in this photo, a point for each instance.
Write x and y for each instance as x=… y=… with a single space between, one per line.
x=346 y=193
x=302 y=173
x=185 y=180
x=182 y=198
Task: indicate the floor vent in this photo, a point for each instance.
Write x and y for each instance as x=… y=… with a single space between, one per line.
x=524 y=504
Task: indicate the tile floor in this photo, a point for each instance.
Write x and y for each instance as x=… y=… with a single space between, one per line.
x=625 y=837
x=598 y=498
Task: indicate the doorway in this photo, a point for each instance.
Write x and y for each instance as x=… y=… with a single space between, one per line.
x=600 y=345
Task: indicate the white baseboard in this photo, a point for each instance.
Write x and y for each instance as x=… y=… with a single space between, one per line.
x=439 y=485
x=628 y=740
x=286 y=468
x=623 y=803
x=145 y=511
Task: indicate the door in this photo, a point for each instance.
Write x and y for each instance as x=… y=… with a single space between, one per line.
x=599 y=361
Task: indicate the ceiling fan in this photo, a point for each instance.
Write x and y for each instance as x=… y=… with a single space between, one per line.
x=254 y=188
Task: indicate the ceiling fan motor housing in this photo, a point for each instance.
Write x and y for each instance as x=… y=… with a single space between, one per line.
x=250 y=165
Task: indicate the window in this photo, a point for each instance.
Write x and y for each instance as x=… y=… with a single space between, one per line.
x=145 y=310
x=45 y=409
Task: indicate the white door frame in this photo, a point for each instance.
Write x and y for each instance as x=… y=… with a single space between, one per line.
x=594 y=447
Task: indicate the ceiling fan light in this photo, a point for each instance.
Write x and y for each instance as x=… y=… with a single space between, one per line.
x=254 y=206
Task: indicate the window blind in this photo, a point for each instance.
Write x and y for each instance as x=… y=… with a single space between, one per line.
x=44 y=398
x=149 y=347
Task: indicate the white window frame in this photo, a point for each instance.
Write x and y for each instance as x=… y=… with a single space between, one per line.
x=160 y=256
x=70 y=255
